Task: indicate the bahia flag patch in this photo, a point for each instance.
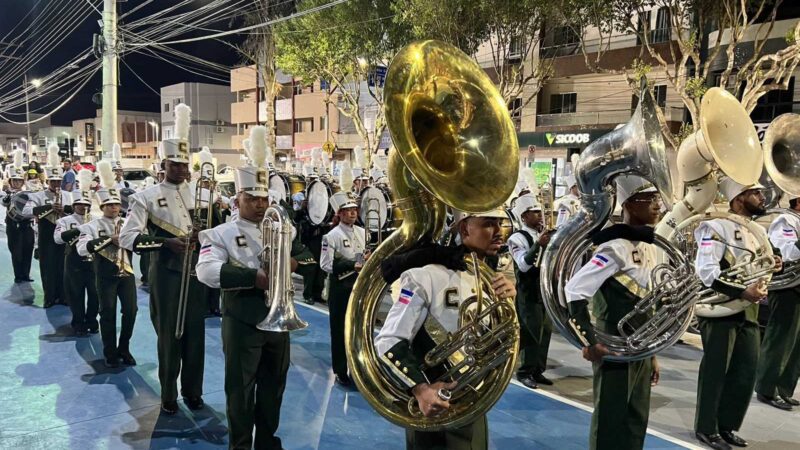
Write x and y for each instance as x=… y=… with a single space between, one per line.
x=599 y=260
x=405 y=296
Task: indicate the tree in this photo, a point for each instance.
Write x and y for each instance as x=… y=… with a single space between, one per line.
x=693 y=50
x=509 y=30
x=344 y=46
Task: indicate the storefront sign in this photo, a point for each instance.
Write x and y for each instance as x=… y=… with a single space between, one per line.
x=566 y=139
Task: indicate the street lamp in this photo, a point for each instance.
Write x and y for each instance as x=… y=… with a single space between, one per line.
x=69 y=144
x=35 y=83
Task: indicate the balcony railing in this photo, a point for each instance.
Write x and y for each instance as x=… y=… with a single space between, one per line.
x=672 y=114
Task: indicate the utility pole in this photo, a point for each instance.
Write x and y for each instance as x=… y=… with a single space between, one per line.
x=109 y=130
x=27 y=117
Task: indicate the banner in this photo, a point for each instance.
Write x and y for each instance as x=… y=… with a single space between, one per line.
x=543 y=172
x=89 y=136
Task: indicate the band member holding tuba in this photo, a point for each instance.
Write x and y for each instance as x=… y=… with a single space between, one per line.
x=80 y=285
x=568 y=204
x=731 y=343
x=535 y=329
x=430 y=297
x=19 y=232
x=619 y=270
x=113 y=271
x=342 y=257
x=256 y=361
x=47 y=207
x=160 y=221
x=779 y=364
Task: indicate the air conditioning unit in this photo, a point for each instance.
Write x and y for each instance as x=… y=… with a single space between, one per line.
x=220 y=123
x=220 y=129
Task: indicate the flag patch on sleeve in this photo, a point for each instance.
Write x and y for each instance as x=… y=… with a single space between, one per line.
x=706 y=242
x=405 y=296
x=788 y=233
x=205 y=249
x=599 y=260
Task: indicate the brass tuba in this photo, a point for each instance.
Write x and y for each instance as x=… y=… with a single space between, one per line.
x=455 y=145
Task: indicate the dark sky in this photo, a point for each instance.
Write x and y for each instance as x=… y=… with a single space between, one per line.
x=132 y=94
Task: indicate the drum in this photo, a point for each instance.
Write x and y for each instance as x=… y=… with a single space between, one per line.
x=286 y=185
x=318 y=194
x=374 y=208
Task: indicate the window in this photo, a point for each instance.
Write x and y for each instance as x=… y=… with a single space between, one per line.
x=565 y=36
x=515 y=47
x=661 y=31
x=660 y=94
x=515 y=108
x=177 y=101
x=297 y=89
x=323 y=123
x=99 y=141
x=563 y=103
x=166 y=107
x=303 y=125
x=773 y=104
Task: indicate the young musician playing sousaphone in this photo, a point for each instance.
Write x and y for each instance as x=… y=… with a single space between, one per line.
x=112 y=269
x=730 y=344
x=256 y=361
x=430 y=297
x=619 y=271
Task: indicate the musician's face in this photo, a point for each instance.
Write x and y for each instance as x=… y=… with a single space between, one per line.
x=16 y=183
x=754 y=202
x=532 y=219
x=111 y=211
x=176 y=172
x=481 y=235
x=251 y=207
x=80 y=209
x=348 y=216
x=54 y=185
x=644 y=208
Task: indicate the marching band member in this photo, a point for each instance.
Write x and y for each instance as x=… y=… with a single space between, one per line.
x=342 y=257
x=535 y=329
x=256 y=362
x=569 y=204
x=730 y=344
x=80 y=285
x=144 y=257
x=620 y=272
x=119 y=175
x=47 y=211
x=112 y=269
x=160 y=222
x=19 y=232
x=433 y=293
x=779 y=365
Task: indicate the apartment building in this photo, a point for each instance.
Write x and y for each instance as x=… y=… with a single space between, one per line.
x=137 y=130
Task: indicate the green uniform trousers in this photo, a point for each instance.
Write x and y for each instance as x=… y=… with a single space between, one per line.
x=109 y=289
x=51 y=264
x=474 y=436
x=621 y=404
x=256 y=363
x=338 y=299
x=80 y=286
x=779 y=366
x=20 y=239
x=535 y=330
x=144 y=265
x=183 y=356
x=313 y=281
x=727 y=373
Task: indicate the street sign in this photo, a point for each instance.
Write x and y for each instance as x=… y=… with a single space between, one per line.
x=328 y=147
x=377 y=77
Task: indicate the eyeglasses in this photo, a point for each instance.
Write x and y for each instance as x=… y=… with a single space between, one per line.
x=652 y=200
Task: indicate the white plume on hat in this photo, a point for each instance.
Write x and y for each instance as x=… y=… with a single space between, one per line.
x=105 y=173
x=116 y=152
x=183 y=118
x=246 y=145
x=361 y=158
x=308 y=169
x=380 y=163
x=160 y=151
x=52 y=155
x=574 y=160
x=316 y=157
x=257 y=150
x=18 y=154
x=204 y=156
x=326 y=161
x=270 y=157
x=149 y=181
x=85 y=177
x=80 y=150
x=345 y=176
x=530 y=178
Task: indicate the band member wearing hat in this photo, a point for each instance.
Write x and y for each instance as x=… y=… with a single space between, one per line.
x=727 y=372
x=47 y=207
x=311 y=237
x=620 y=271
x=535 y=329
x=342 y=257
x=432 y=294
x=256 y=362
x=80 y=285
x=19 y=232
x=779 y=365
x=160 y=222
x=113 y=271
x=568 y=204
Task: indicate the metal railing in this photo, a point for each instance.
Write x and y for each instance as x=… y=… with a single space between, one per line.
x=672 y=114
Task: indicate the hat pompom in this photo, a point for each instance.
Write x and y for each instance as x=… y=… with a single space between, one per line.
x=183 y=118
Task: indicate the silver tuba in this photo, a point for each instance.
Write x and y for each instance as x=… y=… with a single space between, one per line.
x=276 y=238
x=637 y=148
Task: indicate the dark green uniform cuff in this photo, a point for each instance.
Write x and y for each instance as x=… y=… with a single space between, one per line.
x=581 y=323
x=797 y=244
x=68 y=210
x=71 y=236
x=530 y=256
x=39 y=210
x=404 y=365
x=342 y=266
x=728 y=287
x=234 y=277
x=147 y=243
x=95 y=245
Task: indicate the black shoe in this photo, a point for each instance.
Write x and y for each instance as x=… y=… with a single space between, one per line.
x=343 y=380
x=713 y=440
x=127 y=359
x=93 y=329
x=733 y=439
x=49 y=305
x=775 y=402
x=112 y=362
x=194 y=403
x=528 y=381
x=169 y=408
x=541 y=379
x=308 y=301
x=790 y=400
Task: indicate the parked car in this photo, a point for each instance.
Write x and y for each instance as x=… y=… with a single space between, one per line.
x=136 y=176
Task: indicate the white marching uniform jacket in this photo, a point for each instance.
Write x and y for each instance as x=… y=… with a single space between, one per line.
x=43 y=198
x=238 y=243
x=429 y=298
x=167 y=206
x=718 y=239
x=783 y=236
x=67 y=223
x=567 y=206
x=518 y=247
x=96 y=239
x=343 y=241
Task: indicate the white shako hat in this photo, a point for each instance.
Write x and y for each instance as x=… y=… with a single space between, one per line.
x=177 y=149
x=53 y=169
x=731 y=189
x=630 y=185
x=107 y=194
x=253 y=177
x=343 y=199
x=527 y=202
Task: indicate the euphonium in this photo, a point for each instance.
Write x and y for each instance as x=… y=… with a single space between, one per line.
x=372 y=221
x=120 y=259
x=455 y=145
x=276 y=238
x=636 y=149
x=546 y=200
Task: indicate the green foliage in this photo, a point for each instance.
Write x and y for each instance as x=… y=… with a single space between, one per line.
x=790 y=37
x=685 y=130
x=462 y=23
x=695 y=87
x=640 y=69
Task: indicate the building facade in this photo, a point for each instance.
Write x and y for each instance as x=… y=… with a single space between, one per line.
x=138 y=130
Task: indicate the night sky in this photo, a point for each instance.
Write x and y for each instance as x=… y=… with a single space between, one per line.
x=133 y=95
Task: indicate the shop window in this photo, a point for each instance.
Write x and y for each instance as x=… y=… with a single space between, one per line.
x=563 y=103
